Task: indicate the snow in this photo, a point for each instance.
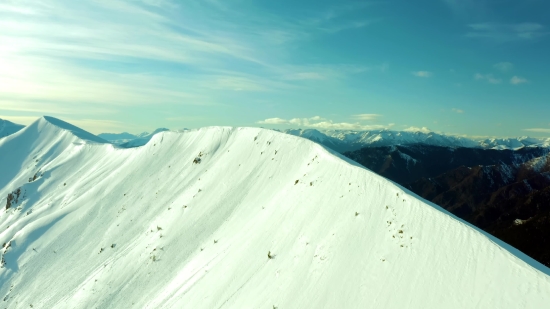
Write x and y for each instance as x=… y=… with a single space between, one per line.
x=143 y=139
x=145 y=227
x=118 y=138
x=507 y=172
x=8 y=128
x=407 y=158
x=514 y=143
x=387 y=137
x=538 y=164
x=345 y=140
x=127 y=140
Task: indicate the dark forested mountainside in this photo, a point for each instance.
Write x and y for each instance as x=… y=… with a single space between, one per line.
x=504 y=192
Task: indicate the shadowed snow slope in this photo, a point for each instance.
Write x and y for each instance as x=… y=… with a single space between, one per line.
x=8 y=128
x=106 y=227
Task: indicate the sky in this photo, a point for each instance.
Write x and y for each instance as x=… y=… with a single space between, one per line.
x=465 y=67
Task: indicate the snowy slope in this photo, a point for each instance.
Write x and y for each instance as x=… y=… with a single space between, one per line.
x=127 y=140
x=8 y=128
x=321 y=138
x=346 y=140
x=143 y=139
x=145 y=227
x=37 y=144
x=514 y=143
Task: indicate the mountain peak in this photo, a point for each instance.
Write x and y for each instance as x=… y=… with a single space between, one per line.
x=78 y=132
x=239 y=217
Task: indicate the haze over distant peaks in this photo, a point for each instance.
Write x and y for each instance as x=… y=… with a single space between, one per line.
x=127 y=140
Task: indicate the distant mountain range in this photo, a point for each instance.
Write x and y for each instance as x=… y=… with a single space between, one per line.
x=353 y=140
x=127 y=140
x=344 y=140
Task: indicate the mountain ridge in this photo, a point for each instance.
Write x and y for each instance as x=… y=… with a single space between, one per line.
x=8 y=128
x=349 y=140
x=237 y=217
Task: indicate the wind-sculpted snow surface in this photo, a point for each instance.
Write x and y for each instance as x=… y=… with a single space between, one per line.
x=236 y=218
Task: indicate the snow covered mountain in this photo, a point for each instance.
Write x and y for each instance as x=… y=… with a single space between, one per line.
x=128 y=140
x=344 y=140
x=142 y=139
x=8 y=128
x=508 y=201
x=118 y=138
x=514 y=143
x=234 y=218
x=409 y=163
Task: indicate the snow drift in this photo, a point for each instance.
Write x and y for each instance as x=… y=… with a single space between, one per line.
x=234 y=218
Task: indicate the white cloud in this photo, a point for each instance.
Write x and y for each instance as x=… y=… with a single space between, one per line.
x=422 y=74
x=504 y=66
x=458 y=111
x=418 y=129
x=516 y=80
x=487 y=77
x=85 y=59
x=332 y=21
x=318 y=122
x=507 y=32
x=329 y=125
x=366 y=117
x=538 y=130
x=320 y=72
x=273 y=121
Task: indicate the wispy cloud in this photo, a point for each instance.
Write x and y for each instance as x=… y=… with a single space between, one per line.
x=458 y=111
x=321 y=72
x=422 y=74
x=507 y=32
x=321 y=123
x=461 y=6
x=333 y=19
x=516 y=80
x=538 y=130
x=487 y=77
x=92 y=58
x=274 y=121
x=366 y=117
x=503 y=66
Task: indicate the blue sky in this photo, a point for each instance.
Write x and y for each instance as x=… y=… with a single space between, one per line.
x=476 y=68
